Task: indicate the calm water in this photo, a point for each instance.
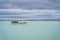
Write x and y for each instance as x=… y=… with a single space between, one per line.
x=33 y=30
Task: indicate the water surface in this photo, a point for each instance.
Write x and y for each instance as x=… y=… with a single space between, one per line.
x=33 y=30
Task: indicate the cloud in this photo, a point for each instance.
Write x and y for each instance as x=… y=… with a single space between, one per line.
x=30 y=4
x=40 y=8
x=18 y=13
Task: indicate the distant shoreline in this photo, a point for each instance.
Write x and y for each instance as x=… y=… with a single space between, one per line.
x=31 y=20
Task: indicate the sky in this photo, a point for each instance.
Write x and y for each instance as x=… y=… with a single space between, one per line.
x=30 y=4
x=31 y=8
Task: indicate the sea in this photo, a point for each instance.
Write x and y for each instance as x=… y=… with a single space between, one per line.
x=32 y=30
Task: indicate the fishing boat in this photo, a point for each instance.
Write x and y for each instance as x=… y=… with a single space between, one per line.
x=17 y=22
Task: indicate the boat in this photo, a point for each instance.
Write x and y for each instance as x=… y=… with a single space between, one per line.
x=17 y=22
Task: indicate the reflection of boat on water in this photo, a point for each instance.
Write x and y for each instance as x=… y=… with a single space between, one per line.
x=17 y=22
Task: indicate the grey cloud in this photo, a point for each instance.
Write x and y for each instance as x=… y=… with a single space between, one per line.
x=30 y=4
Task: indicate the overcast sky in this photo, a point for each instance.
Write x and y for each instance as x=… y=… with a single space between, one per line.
x=51 y=8
x=30 y=4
